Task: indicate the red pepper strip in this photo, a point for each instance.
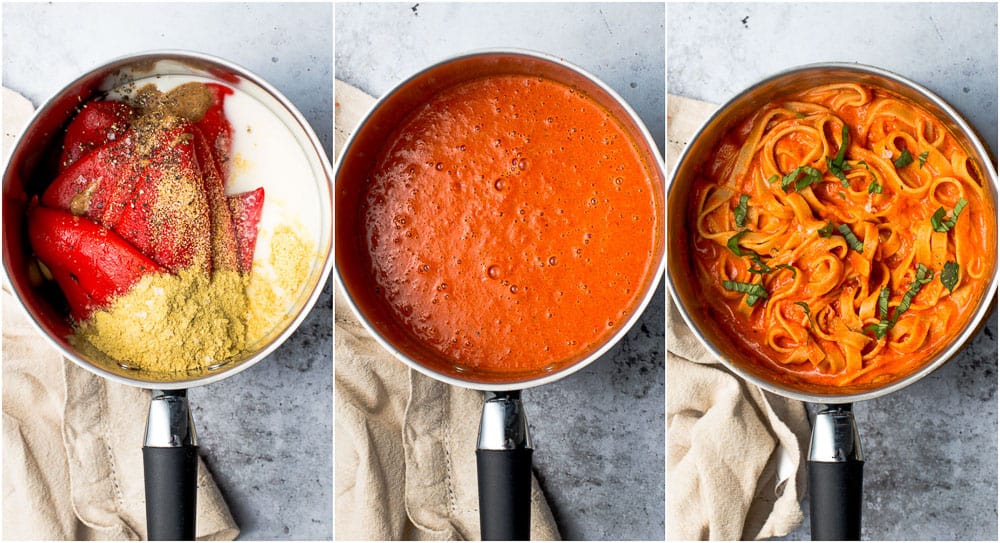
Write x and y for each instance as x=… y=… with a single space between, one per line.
x=218 y=132
x=167 y=215
x=224 y=250
x=91 y=263
x=98 y=185
x=96 y=124
x=246 y=208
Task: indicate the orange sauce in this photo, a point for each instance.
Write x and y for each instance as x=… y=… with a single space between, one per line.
x=510 y=224
x=819 y=324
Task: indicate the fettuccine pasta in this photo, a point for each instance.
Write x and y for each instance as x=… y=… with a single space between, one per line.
x=843 y=235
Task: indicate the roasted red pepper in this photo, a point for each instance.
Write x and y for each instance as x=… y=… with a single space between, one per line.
x=92 y=264
x=96 y=124
x=245 y=209
x=217 y=129
x=114 y=213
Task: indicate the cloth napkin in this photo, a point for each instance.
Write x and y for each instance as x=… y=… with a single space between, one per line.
x=735 y=465
x=405 y=443
x=72 y=441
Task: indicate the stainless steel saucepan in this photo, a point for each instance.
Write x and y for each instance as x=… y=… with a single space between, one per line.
x=170 y=451
x=835 y=457
x=504 y=449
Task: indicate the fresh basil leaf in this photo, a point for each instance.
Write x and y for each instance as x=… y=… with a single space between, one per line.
x=785 y=266
x=880 y=329
x=852 y=240
x=922 y=277
x=941 y=224
x=949 y=275
x=761 y=266
x=734 y=242
x=904 y=160
x=826 y=231
x=883 y=303
x=838 y=172
x=922 y=158
x=845 y=140
x=740 y=213
x=752 y=290
x=874 y=187
x=802 y=177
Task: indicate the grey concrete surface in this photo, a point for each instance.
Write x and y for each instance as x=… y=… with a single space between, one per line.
x=266 y=433
x=599 y=434
x=931 y=471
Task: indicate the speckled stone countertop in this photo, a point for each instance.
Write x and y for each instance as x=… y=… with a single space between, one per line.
x=931 y=449
x=598 y=434
x=265 y=433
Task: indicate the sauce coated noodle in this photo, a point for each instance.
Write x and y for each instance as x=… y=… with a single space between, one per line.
x=817 y=253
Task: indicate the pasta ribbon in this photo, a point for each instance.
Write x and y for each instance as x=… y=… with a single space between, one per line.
x=846 y=252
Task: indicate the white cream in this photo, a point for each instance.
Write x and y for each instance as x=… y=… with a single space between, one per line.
x=265 y=154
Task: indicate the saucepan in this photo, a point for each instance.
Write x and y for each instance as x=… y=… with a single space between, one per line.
x=835 y=458
x=504 y=448
x=170 y=451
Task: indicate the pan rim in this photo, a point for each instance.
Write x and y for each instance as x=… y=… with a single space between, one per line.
x=958 y=344
x=320 y=158
x=656 y=277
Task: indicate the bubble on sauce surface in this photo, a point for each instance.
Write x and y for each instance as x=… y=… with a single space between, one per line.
x=499 y=184
x=493 y=272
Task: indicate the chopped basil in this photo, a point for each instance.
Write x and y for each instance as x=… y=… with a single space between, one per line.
x=752 y=290
x=805 y=307
x=802 y=177
x=734 y=242
x=773 y=178
x=883 y=303
x=838 y=165
x=922 y=158
x=943 y=225
x=826 y=231
x=800 y=115
x=852 y=240
x=763 y=268
x=923 y=276
x=842 y=195
x=904 y=160
x=874 y=187
x=949 y=275
x=740 y=213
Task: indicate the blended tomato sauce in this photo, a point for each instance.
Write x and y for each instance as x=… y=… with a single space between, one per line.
x=511 y=224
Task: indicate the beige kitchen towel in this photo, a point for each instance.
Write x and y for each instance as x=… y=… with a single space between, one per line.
x=72 y=441
x=735 y=454
x=405 y=443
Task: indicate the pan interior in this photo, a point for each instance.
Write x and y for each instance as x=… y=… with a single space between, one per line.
x=357 y=161
x=32 y=167
x=690 y=301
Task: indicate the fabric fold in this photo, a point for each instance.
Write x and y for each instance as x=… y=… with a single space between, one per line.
x=734 y=456
x=72 y=441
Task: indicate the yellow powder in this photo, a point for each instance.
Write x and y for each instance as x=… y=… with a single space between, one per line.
x=274 y=285
x=191 y=322
x=173 y=323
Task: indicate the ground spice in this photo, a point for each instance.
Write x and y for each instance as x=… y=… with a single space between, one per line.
x=173 y=323
x=192 y=321
x=275 y=284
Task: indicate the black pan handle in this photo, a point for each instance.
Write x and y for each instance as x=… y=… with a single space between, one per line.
x=170 y=464
x=836 y=469
x=503 y=462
